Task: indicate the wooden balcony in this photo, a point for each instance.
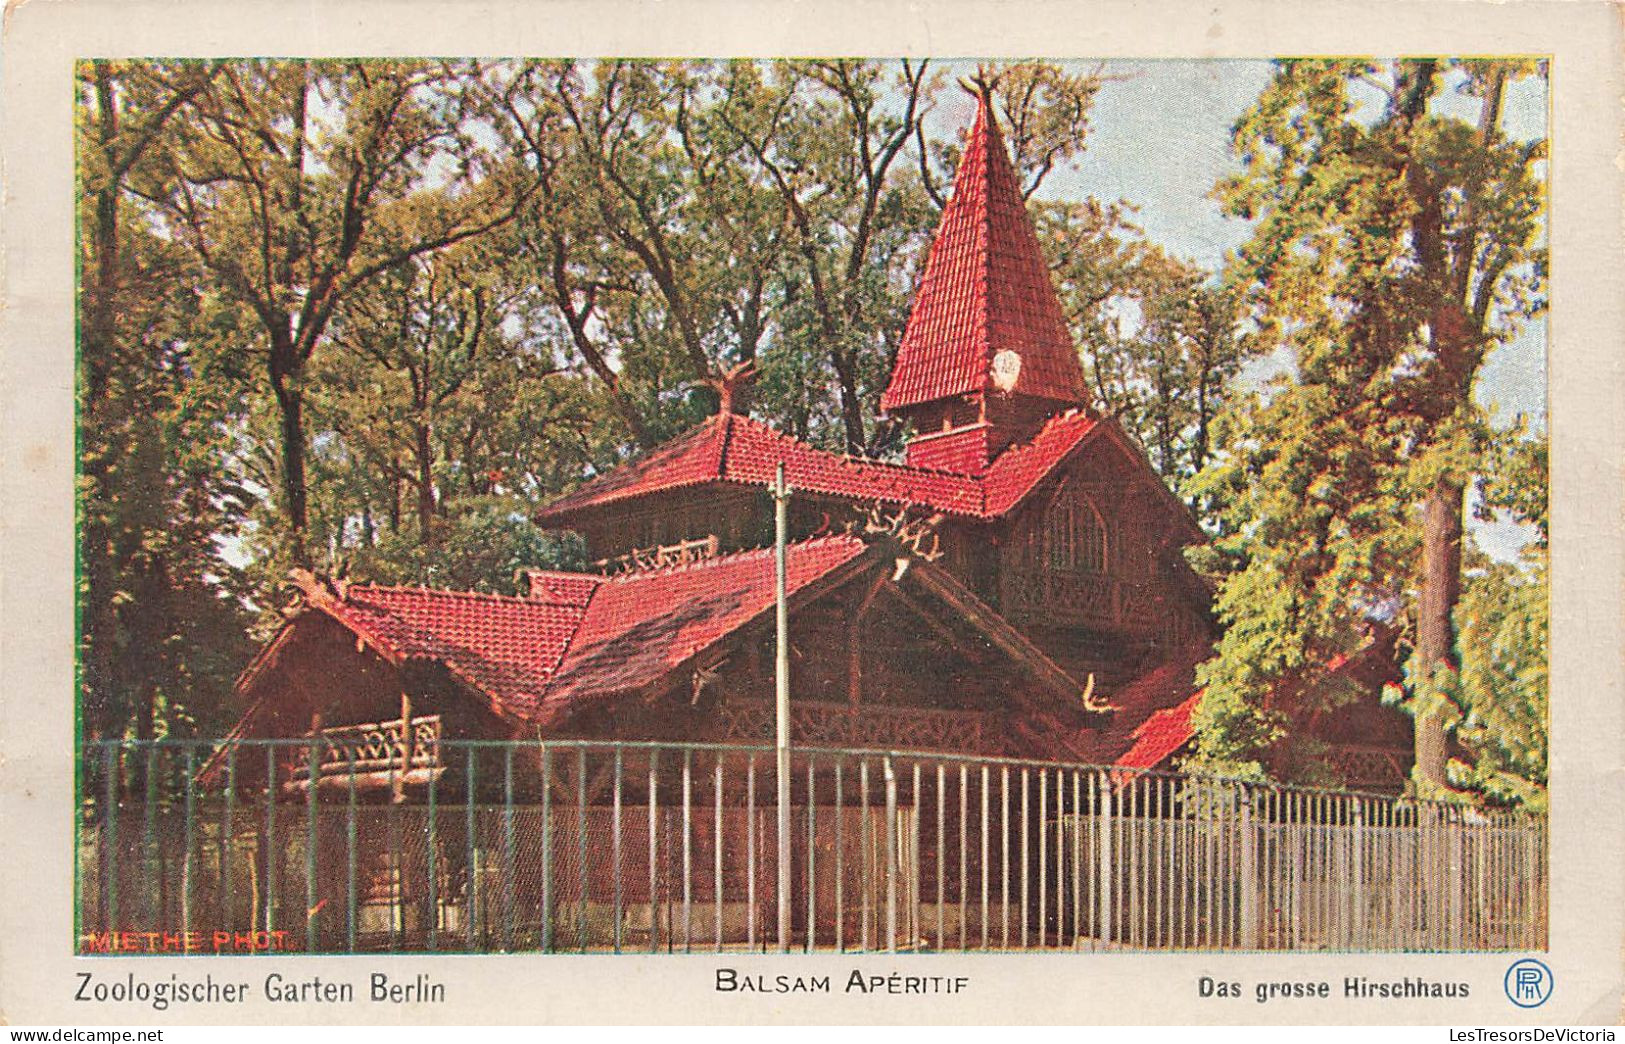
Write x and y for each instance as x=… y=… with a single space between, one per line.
x=382 y=754
x=1047 y=596
x=842 y=725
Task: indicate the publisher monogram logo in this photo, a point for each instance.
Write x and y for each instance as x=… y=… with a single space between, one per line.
x=1528 y=983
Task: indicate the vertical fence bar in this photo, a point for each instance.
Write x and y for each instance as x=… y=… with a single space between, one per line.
x=110 y=816
x=1356 y=844
x=716 y=846
x=1103 y=861
x=964 y=849
x=891 y=854
x=1454 y=876
x=1004 y=854
x=914 y=871
x=1077 y=861
x=812 y=856
x=688 y=849
x=750 y=852
x=349 y=857
x=1060 y=860
x=1156 y=913
x=227 y=829
x=865 y=842
x=271 y=853
x=432 y=859
x=1026 y=774
x=190 y=810
x=1043 y=857
x=545 y=765
x=1149 y=868
x=149 y=838
x=1131 y=847
x=840 y=858
x=472 y=855
x=985 y=796
x=1248 y=874
x=581 y=849
x=942 y=830
x=615 y=847
x=508 y=861
x=654 y=850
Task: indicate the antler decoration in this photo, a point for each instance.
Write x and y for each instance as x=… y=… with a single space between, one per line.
x=983 y=83
x=313 y=590
x=703 y=678
x=907 y=531
x=1089 y=700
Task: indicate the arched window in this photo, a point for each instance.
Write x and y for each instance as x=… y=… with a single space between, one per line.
x=1075 y=535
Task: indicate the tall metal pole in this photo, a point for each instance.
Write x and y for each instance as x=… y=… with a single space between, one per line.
x=781 y=692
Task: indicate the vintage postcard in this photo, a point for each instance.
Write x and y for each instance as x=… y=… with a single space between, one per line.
x=856 y=513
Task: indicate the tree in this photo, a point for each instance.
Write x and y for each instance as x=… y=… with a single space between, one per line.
x=278 y=179
x=440 y=416
x=1395 y=244
x=1160 y=332
x=161 y=630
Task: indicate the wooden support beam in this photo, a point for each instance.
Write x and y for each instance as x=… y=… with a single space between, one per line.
x=854 y=636
x=990 y=623
x=399 y=793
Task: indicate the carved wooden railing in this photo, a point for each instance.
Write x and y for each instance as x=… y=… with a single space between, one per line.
x=684 y=552
x=842 y=725
x=374 y=748
x=1367 y=766
x=1096 y=599
x=1074 y=597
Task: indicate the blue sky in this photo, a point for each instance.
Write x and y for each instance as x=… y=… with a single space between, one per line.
x=1161 y=140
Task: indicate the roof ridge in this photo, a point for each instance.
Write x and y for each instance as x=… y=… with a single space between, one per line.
x=726 y=438
x=456 y=593
x=727 y=557
x=858 y=460
x=989 y=127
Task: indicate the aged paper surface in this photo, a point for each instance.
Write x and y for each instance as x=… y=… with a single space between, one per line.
x=39 y=971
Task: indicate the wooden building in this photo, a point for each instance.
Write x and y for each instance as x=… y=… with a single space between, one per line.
x=1015 y=586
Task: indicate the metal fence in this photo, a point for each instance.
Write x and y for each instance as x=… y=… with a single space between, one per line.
x=584 y=846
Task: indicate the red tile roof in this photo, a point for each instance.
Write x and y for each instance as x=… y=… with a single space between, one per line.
x=737 y=449
x=580 y=635
x=505 y=647
x=1152 y=718
x=1161 y=735
x=986 y=290
x=640 y=626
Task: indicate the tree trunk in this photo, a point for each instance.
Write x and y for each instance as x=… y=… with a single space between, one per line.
x=424 y=450
x=851 y=405
x=1435 y=629
x=290 y=399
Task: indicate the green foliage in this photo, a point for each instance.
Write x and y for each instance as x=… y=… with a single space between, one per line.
x=1393 y=245
x=483 y=546
x=1163 y=348
x=161 y=631
x=1502 y=688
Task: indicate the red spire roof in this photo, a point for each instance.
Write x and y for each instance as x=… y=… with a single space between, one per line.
x=986 y=292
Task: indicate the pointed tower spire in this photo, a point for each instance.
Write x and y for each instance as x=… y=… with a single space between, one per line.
x=986 y=355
